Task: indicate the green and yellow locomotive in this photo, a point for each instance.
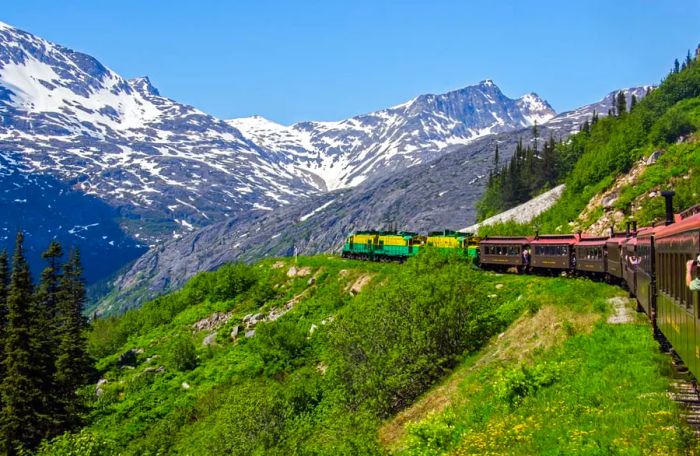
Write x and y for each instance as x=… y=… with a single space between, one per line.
x=400 y=245
x=383 y=245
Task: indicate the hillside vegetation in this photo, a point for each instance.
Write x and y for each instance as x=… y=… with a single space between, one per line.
x=343 y=349
x=665 y=121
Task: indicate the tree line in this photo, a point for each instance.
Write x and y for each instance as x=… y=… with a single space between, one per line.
x=43 y=348
x=530 y=170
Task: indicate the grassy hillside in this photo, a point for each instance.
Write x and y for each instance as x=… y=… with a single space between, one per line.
x=345 y=349
x=593 y=159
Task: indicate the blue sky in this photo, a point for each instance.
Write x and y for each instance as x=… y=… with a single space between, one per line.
x=328 y=60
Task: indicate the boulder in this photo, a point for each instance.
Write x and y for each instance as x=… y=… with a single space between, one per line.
x=654 y=157
x=209 y=339
x=609 y=200
x=311 y=281
x=234 y=332
x=99 y=391
x=250 y=333
x=313 y=328
x=185 y=385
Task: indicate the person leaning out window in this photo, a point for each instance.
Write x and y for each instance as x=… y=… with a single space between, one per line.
x=691 y=274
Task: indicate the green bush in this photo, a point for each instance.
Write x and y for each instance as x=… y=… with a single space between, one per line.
x=517 y=384
x=83 y=443
x=183 y=353
x=671 y=126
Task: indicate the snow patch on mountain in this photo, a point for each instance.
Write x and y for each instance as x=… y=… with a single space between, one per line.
x=346 y=153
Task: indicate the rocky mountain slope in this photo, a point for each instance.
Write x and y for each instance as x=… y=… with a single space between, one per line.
x=166 y=168
x=346 y=153
x=434 y=195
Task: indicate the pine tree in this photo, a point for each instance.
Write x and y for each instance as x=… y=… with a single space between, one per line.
x=621 y=104
x=633 y=102
x=44 y=312
x=4 y=282
x=20 y=420
x=688 y=59
x=676 y=66
x=613 y=103
x=535 y=135
x=73 y=363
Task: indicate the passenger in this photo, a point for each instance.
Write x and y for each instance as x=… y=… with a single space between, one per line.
x=692 y=270
x=634 y=261
x=526 y=257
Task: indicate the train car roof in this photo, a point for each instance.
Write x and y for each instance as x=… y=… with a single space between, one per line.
x=687 y=224
x=556 y=239
x=519 y=240
x=618 y=239
x=592 y=241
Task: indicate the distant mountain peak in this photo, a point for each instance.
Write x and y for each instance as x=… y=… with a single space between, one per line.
x=144 y=86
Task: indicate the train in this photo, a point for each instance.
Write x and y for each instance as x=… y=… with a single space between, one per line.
x=395 y=245
x=651 y=262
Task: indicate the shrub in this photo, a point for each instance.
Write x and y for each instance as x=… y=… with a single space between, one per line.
x=517 y=384
x=183 y=353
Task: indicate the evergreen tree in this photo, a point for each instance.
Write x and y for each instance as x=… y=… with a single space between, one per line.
x=44 y=320
x=688 y=59
x=613 y=103
x=535 y=135
x=20 y=421
x=549 y=163
x=621 y=104
x=633 y=102
x=676 y=66
x=73 y=364
x=586 y=126
x=4 y=282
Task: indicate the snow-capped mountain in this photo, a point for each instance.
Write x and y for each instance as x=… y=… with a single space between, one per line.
x=170 y=168
x=164 y=168
x=348 y=152
x=170 y=165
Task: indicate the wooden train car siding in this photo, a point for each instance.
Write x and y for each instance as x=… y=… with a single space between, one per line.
x=677 y=306
x=503 y=251
x=591 y=255
x=614 y=248
x=553 y=251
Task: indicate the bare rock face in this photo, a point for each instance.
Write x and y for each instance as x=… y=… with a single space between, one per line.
x=213 y=321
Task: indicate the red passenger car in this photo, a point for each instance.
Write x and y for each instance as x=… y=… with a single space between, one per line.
x=554 y=251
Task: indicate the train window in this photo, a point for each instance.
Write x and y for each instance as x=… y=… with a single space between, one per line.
x=687 y=294
x=661 y=279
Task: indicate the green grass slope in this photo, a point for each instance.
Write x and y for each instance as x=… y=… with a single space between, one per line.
x=345 y=348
